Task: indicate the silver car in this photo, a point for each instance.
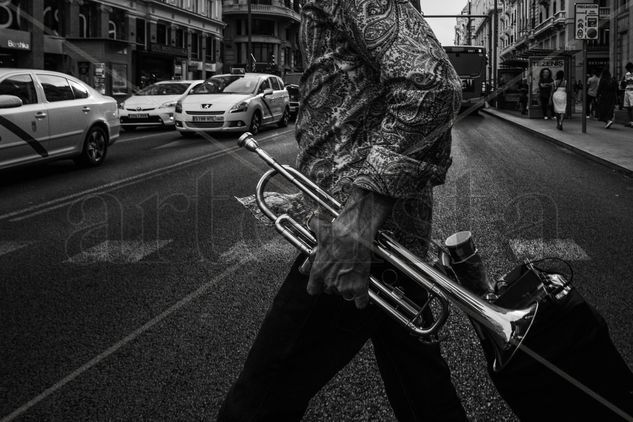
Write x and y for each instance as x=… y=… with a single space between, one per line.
x=47 y=115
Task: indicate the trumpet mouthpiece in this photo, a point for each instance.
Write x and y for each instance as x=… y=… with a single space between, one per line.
x=247 y=141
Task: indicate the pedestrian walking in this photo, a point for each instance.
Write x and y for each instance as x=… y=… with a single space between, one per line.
x=545 y=84
x=628 y=92
x=606 y=99
x=592 y=93
x=559 y=98
x=374 y=130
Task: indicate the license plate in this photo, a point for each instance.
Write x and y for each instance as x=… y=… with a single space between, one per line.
x=138 y=115
x=208 y=118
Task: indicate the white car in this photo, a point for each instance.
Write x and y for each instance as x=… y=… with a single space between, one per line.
x=154 y=105
x=234 y=103
x=48 y=115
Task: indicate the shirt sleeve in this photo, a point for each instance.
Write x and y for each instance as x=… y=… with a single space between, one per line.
x=422 y=95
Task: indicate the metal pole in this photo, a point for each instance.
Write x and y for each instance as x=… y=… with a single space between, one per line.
x=584 y=85
x=249 y=63
x=495 y=45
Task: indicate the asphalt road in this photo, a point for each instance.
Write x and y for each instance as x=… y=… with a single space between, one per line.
x=133 y=291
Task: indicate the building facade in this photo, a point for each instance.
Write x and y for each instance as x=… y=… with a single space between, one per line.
x=274 y=35
x=621 y=40
x=115 y=46
x=529 y=28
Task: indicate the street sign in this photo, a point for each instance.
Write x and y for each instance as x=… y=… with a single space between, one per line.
x=586 y=21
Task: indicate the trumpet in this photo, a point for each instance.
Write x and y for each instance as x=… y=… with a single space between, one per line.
x=506 y=328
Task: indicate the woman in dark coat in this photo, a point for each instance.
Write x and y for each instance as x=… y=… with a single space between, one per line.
x=606 y=98
x=545 y=83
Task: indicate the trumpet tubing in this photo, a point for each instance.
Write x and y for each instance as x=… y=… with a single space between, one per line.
x=506 y=327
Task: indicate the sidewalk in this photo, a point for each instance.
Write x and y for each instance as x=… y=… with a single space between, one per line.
x=612 y=147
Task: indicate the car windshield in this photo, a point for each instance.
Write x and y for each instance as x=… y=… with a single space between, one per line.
x=164 y=89
x=227 y=85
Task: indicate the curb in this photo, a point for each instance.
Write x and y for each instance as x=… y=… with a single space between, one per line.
x=594 y=158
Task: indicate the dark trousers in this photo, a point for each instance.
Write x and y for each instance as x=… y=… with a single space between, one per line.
x=590 y=106
x=545 y=107
x=305 y=340
x=590 y=379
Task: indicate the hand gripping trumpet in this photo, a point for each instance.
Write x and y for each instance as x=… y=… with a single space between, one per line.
x=506 y=328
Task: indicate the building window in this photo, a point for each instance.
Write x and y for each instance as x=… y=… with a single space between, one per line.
x=180 y=39
x=140 y=31
x=161 y=34
x=83 y=26
x=111 y=30
x=263 y=27
x=210 y=50
x=195 y=46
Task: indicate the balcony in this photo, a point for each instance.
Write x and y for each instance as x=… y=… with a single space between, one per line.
x=604 y=12
x=276 y=8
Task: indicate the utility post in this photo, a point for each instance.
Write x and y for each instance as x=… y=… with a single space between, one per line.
x=495 y=40
x=249 y=62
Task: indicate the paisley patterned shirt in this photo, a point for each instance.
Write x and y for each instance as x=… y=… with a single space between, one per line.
x=379 y=96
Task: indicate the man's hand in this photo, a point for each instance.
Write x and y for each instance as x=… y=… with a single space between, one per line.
x=342 y=259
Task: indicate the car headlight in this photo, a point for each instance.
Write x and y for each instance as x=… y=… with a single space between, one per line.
x=168 y=104
x=178 y=107
x=240 y=108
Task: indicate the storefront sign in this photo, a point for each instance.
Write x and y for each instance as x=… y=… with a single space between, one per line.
x=168 y=49
x=195 y=65
x=586 y=21
x=15 y=40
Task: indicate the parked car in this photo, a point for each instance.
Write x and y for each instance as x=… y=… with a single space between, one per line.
x=48 y=115
x=154 y=105
x=234 y=103
x=293 y=92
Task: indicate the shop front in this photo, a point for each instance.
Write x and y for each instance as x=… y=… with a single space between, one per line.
x=160 y=63
x=15 y=48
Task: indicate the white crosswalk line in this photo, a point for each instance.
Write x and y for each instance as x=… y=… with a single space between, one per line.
x=8 y=247
x=538 y=248
x=116 y=251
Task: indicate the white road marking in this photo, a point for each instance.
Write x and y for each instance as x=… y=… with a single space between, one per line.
x=61 y=202
x=138 y=138
x=8 y=247
x=116 y=251
x=175 y=143
x=538 y=248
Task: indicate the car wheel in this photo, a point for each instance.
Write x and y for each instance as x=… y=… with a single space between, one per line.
x=187 y=134
x=95 y=147
x=285 y=118
x=129 y=128
x=256 y=122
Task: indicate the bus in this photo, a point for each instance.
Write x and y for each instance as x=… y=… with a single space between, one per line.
x=470 y=64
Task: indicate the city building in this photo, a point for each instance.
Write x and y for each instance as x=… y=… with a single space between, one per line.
x=463 y=28
x=114 y=45
x=529 y=29
x=274 y=35
x=621 y=36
